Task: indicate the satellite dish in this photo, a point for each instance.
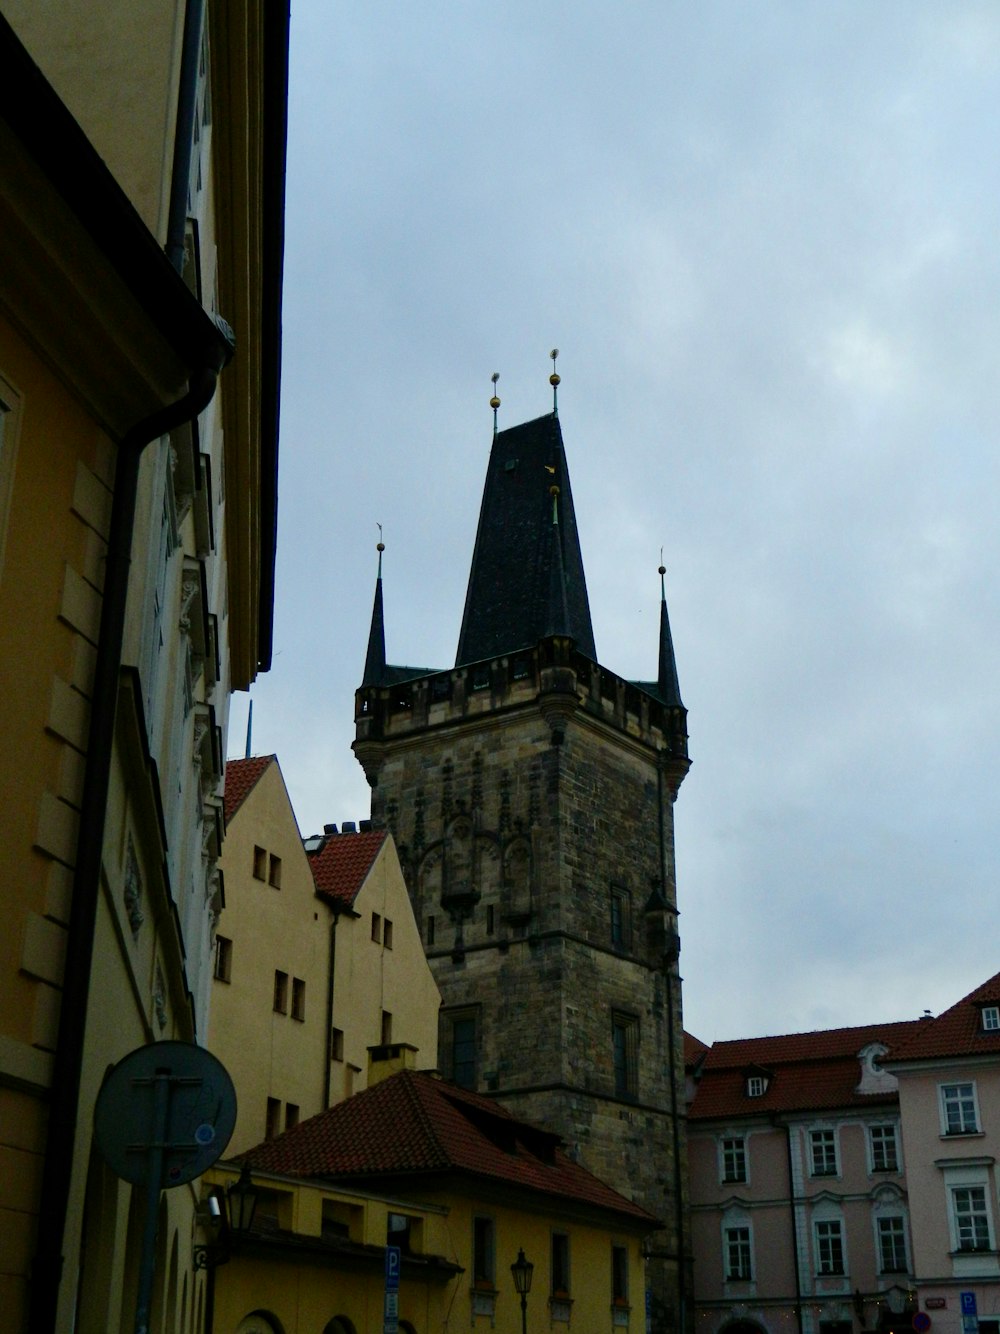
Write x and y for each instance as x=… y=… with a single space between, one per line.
x=171 y=1103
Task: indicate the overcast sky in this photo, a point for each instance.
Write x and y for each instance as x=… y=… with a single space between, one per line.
x=764 y=237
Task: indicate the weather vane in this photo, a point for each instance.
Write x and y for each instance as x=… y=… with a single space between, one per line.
x=554 y=382
x=494 y=401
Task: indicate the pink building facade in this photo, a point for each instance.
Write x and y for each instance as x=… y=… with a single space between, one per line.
x=799 y=1209
x=949 y=1097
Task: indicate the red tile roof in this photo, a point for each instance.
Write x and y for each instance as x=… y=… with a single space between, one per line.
x=414 y=1124
x=693 y=1048
x=956 y=1032
x=340 y=867
x=808 y=1071
x=242 y=777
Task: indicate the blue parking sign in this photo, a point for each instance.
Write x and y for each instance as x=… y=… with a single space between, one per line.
x=968 y=1301
x=392 y=1262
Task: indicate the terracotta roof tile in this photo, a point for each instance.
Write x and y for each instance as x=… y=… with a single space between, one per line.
x=341 y=865
x=414 y=1124
x=693 y=1048
x=808 y=1071
x=242 y=777
x=956 y=1032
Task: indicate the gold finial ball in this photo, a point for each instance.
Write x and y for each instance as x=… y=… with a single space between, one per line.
x=662 y=569
x=380 y=547
x=553 y=490
x=554 y=380
x=494 y=402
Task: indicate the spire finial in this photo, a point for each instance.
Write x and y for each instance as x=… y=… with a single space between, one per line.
x=380 y=547
x=661 y=572
x=494 y=401
x=554 y=382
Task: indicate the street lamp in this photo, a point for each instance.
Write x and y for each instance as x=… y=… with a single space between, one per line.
x=522 y=1271
x=232 y=1213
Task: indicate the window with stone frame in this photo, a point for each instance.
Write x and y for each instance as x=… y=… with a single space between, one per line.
x=621 y=918
x=734 y=1159
x=885 y=1155
x=458 y=1045
x=829 y=1247
x=625 y=1055
x=823 y=1153
x=739 y=1259
x=892 y=1245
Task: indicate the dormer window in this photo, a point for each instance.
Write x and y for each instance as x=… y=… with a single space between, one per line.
x=991 y=1018
x=756 y=1086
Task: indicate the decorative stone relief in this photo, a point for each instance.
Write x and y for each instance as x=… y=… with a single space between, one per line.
x=132 y=892
x=160 y=999
x=190 y=588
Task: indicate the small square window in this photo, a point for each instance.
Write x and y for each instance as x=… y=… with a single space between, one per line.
x=376 y=927
x=259 y=863
x=298 y=999
x=274 y=872
x=756 y=1086
x=337 y=1044
x=991 y=1018
x=223 y=959
x=387 y=934
x=280 y=992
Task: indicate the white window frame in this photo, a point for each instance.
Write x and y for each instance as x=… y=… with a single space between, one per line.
x=991 y=1018
x=833 y=1143
x=957 y=1216
x=756 y=1086
x=744 y=1246
x=900 y=1232
x=952 y=1095
x=818 y=1240
x=739 y=1143
x=882 y=1127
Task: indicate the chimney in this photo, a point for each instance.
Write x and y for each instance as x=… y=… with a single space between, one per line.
x=349 y=827
x=388 y=1059
x=329 y=830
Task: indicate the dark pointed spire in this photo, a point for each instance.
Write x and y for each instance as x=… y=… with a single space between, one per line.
x=375 y=660
x=509 y=599
x=667 y=686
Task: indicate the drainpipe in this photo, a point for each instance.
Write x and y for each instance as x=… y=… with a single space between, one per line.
x=672 y=1056
x=67 y=1065
x=795 y=1233
x=329 y=1009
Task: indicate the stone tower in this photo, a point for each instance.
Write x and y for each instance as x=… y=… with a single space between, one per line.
x=530 y=792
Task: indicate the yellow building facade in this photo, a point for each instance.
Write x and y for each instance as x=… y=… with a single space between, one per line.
x=133 y=595
x=315 y=1259
x=317 y=959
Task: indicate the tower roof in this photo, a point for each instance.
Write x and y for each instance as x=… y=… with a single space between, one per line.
x=667 y=686
x=375 y=658
x=527 y=578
